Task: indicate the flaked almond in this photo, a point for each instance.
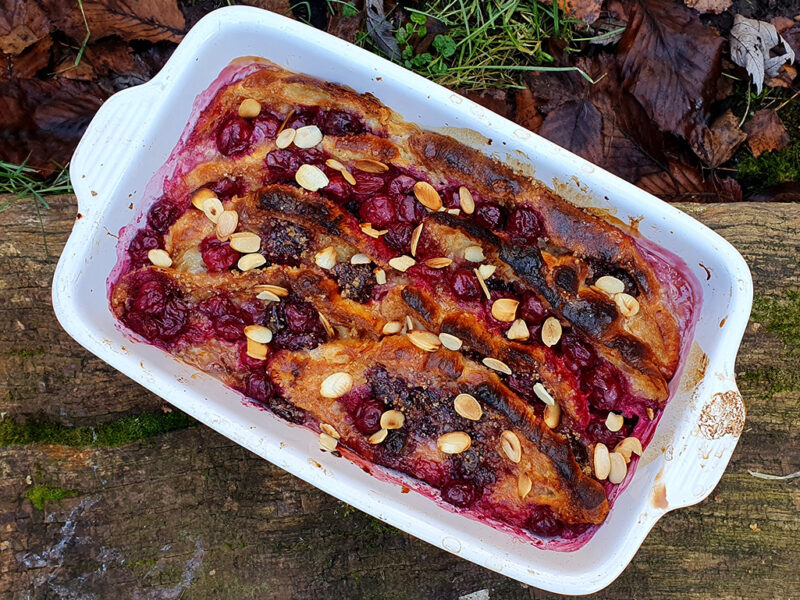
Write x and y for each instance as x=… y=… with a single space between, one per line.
x=249 y=108
x=378 y=436
x=402 y=263
x=552 y=415
x=650 y=414
x=392 y=419
x=200 y=196
x=285 y=138
x=619 y=469
x=474 y=254
x=497 y=365
x=543 y=394
x=371 y=231
x=159 y=258
x=409 y=324
x=371 y=166
x=415 y=235
x=348 y=176
x=468 y=407
x=427 y=195
x=482 y=283
x=439 y=262
x=380 y=276
x=330 y=430
x=360 y=259
x=245 y=242
x=335 y=165
x=486 y=271
x=311 y=178
x=256 y=350
x=510 y=445
x=629 y=446
x=307 y=137
x=454 y=211
x=518 y=330
x=392 y=327
x=610 y=285
x=627 y=305
x=278 y=290
x=226 y=224
x=326 y=259
x=454 y=442
x=327 y=442
x=424 y=340
x=267 y=296
x=602 y=463
x=336 y=385
x=524 y=485
x=327 y=325
x=258 y=333
x=213 y=208
x=614 y=421
x=551 y=331
x=505 y=309
x=465 y=200
x=450 y=342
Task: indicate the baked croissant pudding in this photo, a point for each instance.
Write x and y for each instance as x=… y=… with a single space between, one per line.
x=423 y=307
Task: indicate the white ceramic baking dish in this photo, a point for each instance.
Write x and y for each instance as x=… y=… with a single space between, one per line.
x=132 y=135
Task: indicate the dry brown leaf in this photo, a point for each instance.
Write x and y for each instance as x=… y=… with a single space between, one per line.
x=22 y=23
x=282 y=7
x=709 y=6
x=686 y=183
x=583 y=10
x=527 y=112
x=346 y=28
x=766 y=132
x=720 y=141
x=784 y=78
x=752 y=44
x=30 y=62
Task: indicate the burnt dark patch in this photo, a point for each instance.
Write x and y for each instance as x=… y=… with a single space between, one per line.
x=593 y=317
x=355 y=281
x=631 y=349
x=288 y=201
x=421 y=303
x=470 y=228
x=283 y=242
x=467 y=332
x=567 y=279
x=601 y=268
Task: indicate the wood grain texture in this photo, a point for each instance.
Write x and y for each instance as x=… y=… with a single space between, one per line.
x=189 y=514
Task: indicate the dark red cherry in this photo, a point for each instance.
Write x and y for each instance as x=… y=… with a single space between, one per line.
x=490 y=215
x=578 y=354
x=339 y=123
x=162 y=215
x=532 y=310
x=603 y=386
x=150 y=298
x=144 y=241
x=337 y=189
x=465 y=284
x=461 y=492
x=258 y=386
x=409 y=210
x=218 y=256
x=301 y=318
x=226 y=188
x=400 y=186
x=398 y=237
x=367 y=185
x=367 y=416
x=377 y=210
x=266 y=125
x=229 y=327
x=543 y=522
x=282 y=165
x=524 y=225
x=234 y=135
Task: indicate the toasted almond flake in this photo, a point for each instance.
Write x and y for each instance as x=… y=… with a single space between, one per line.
x=249 y=108
x=614 y=421
x=330 y=430
x=543 y=394
x=245 y=242
x=380 y=276
x=348 y=177
x=392 y=419
x=618 y=468
x=278 y=290
x=610 y=285
x=509 y=443
x=497 y=365
x=257 y=350
x=465 y=200
x=628 y=447
x=602 y=463
x=650 y=414
x=482 y=283
x=258 y=333
x=311 y=178
x=524 y=485
x=392 y=327
x=159 y=258
x=518 y=330
x=371 y=166
x=371 y=231
x=627 y=305
x=427 y=195
x=505 y=309
x=450 y=342
x=285 y=121
x=327 y=325
x=378 y=436
x=327 y=442
x=424 y=340
x=552 y=415
x=200 y=196
x=439 y=262
x=454 y=442
x=268 y=296
x=415 y=235
x=402 y=263
x=307 y=137
x=468 y=407
x=335 y=164
x=213 y=208
x=285 y=138
x=474 y=254
x=409 y=324
x=326 y=259
x=454 y=211
x=360 y=259
x=226 y=224
x=336 y=385
x=551 y=331
x=486 y=271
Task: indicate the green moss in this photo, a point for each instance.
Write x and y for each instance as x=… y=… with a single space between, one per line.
x=25 y=352
x=774 y=380
x=39 y=494
x=115 y=433
x=780 y=316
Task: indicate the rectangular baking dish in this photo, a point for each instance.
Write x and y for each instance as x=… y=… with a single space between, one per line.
x=131 y=137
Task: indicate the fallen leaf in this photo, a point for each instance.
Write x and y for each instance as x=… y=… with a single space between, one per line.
x=781 y=23
x=788 y=191
x=346 y=28
x=583 y=10
x=720 y=141
x=21 y=25
x=495 y=100
x=671 y=63
x=792 y=37
x=607 y=31
x=380 y=30
x=30 y=62
x=709 y=6
x=682 y=182
x=784 y=78
x=765 y=132
x=751 y=43
x=282 y=7
x=576 y=125
x=527 y=112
